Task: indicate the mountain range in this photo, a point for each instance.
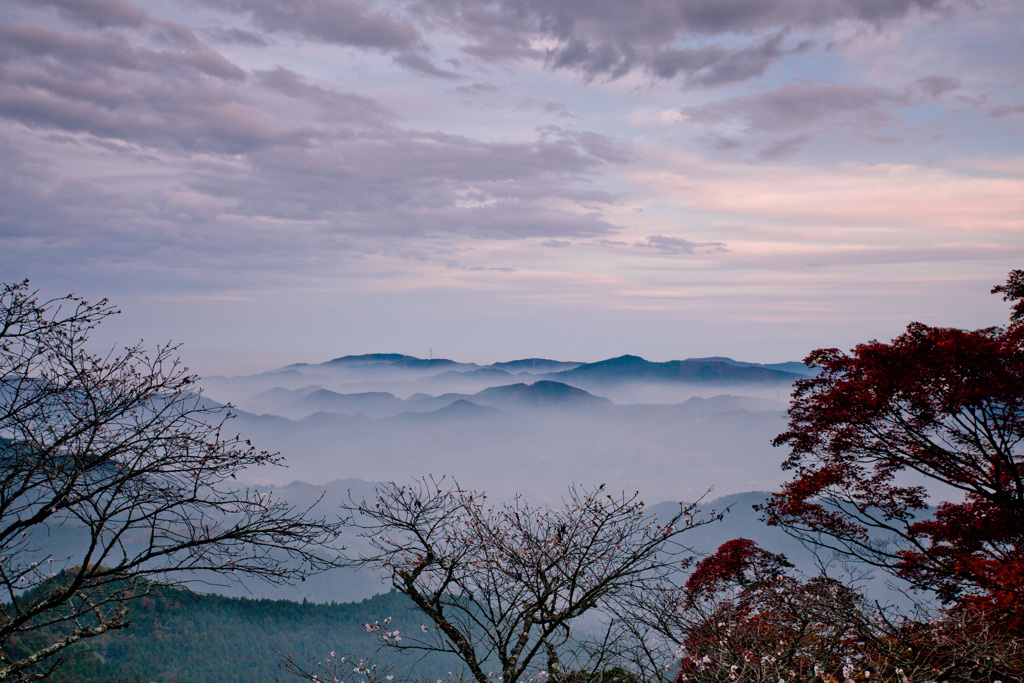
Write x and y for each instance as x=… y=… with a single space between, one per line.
x=530 y=425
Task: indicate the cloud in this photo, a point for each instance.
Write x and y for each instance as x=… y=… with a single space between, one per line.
x=936 y=86
x=343 y=22
x=97 y=13
x=557 y=109
x=417 y=63
x=663 y=38
x=722 y=143
x=263 y=137
x=412 y=183
x=802 y=104
x=477 y=89
x=273 y=147
x=108 y=87
x=677 y=245
x=604 y=39
x=33 y=44
x=596 y=145
x=342 y=107
x=713 y=66
x=1001 y=110
x=236 y=36
x=784 y=148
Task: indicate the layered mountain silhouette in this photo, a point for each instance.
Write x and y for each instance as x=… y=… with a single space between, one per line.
x=528 y=425
x=696 y=370
x=543 y=393
x=627 y=367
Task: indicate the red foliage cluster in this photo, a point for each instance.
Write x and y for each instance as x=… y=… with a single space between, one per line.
x=752 y=618
x=887 y=428
x=733 y=563
x=882 y=423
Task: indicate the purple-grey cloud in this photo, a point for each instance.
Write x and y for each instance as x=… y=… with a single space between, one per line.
x=340 y=107
x=108 y=87
x=1001 y=110
x=97 y=13
x=935 y=86
x=421 y=182
x=477 y=89
x=157 y=94
x=557 y=109
x=665 y=38
x=34 y=44
x=802 y=109
x=173 y=34
x=354 y=23
x=784 y=148
x=604 y=39
x=344 y=22
x=596 y=145
x=722 y=143
x=418 y=63
x=236 y=36
x=677 y=245
x=712 y=65
x=162 y=91
x=801 y=104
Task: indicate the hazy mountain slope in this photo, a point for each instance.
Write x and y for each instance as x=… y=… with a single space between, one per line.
x=404 y=375
x=534 y=365
x=794 y=367
x=460 y=409
x=544 y=393
x=635 y=369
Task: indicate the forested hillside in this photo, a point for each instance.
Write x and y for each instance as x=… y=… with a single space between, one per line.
x=178 y=637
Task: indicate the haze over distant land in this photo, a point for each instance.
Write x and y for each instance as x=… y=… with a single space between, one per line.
x=670 y=430
x=267 y=180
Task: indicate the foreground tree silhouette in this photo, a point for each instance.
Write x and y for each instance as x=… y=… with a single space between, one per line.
x=115 y=477
x=746 y=614
x=937 y=412
x=502 y=585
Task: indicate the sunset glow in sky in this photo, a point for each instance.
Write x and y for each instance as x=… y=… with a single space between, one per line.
x=273 y=181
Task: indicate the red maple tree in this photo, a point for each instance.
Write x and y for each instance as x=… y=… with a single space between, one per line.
x=886 y=431
x=746 y=614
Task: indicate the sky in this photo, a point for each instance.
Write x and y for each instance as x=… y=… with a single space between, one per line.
x=275 y=181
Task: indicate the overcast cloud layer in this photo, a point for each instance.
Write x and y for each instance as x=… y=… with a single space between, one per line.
x=271 y=181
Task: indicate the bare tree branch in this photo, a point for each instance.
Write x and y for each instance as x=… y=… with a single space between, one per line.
x=121 y=456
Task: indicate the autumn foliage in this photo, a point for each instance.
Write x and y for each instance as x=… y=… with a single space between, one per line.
x=907 y=455
x=882 y=425
x=751 y=616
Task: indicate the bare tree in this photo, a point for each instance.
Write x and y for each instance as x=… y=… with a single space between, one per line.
x=501 y=585
x=116 y=476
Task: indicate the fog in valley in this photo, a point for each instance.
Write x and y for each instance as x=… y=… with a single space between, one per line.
x=671 y=431
x=681 y=431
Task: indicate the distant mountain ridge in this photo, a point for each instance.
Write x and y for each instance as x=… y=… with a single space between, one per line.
x=529 y=424
x=540 y=393
x=697 y=370
x=377 y=384
x=713 y=368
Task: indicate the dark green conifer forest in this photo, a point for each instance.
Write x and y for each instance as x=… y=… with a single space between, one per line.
x=176 y=637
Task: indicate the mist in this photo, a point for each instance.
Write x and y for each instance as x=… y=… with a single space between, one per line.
x=505 y=431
